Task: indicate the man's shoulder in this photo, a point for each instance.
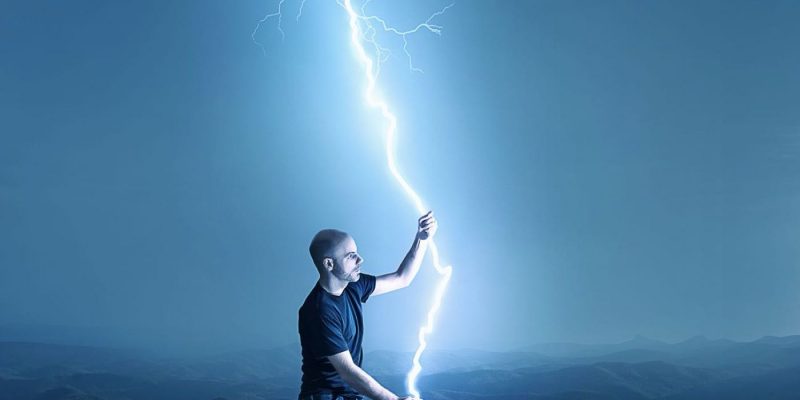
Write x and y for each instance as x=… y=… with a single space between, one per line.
x=364 y=282
x=363 y=287
x=317 y=304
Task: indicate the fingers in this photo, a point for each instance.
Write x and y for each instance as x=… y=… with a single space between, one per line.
x=427 y=218
x=428 y=225
x=428 y=215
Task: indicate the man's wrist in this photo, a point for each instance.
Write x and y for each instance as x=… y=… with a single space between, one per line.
x=419 y=237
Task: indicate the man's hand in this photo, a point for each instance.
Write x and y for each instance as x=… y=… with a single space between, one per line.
x=409 y=267
x=427 y=226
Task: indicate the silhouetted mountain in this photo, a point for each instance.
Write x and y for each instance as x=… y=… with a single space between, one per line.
x=65 y=393
x=782 y=384
x=629 y=356
x=34 y=360
x=793 y=340
x=593 y=350
x=697 y=368
x=619 y=380
x=281 y=362
x=700 y=342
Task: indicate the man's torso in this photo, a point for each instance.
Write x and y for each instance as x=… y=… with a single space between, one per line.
x=328 y=325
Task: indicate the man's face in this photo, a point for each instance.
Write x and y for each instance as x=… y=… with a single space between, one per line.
x=347 y=262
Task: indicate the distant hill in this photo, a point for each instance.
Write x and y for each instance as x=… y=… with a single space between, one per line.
x=697 y=368
x=774 y=385
x=617 y=380
x=33 y=360
x=789 y=341
x=574 y=350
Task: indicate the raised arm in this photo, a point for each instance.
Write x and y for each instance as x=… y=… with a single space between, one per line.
x=359 y=379
x=426 y=228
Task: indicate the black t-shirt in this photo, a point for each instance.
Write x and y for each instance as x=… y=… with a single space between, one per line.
x=329 y=325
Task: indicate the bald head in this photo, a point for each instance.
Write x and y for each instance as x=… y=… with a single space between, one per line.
x=325 y=244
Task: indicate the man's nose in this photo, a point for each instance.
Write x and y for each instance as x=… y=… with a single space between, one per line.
x=359 y=260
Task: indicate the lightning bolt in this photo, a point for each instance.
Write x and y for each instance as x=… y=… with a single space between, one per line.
x=371 y=72
x=372 y=68
x=279 y=15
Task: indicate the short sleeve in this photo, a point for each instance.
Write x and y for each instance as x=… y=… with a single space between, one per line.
x=328 y=338
x=365 y=286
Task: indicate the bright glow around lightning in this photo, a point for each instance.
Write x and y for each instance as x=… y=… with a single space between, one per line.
x=371 y=73
x=358 y=37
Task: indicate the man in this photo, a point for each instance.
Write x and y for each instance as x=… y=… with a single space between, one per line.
x=331 y=324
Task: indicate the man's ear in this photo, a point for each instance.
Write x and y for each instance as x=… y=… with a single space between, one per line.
x=327 y=263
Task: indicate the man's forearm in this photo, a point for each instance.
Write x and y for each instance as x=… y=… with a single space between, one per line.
x=413 y=260
x=366 y=385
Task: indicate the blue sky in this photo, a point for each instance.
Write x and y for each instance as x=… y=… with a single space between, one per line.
x=599 y=169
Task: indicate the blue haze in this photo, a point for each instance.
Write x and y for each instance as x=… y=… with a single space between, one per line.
x=599 y=170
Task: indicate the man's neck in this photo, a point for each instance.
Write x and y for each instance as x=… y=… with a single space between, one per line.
x=332 y=284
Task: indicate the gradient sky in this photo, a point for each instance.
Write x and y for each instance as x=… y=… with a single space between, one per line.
x=599 y=170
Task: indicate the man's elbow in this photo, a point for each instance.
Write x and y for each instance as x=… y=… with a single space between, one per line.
x=404 y=281
x=355 y=380
x=347 y=370
x=350 y=378
x=401 y=280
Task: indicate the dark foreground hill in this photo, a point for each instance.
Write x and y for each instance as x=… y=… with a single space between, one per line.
x=698 y=368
